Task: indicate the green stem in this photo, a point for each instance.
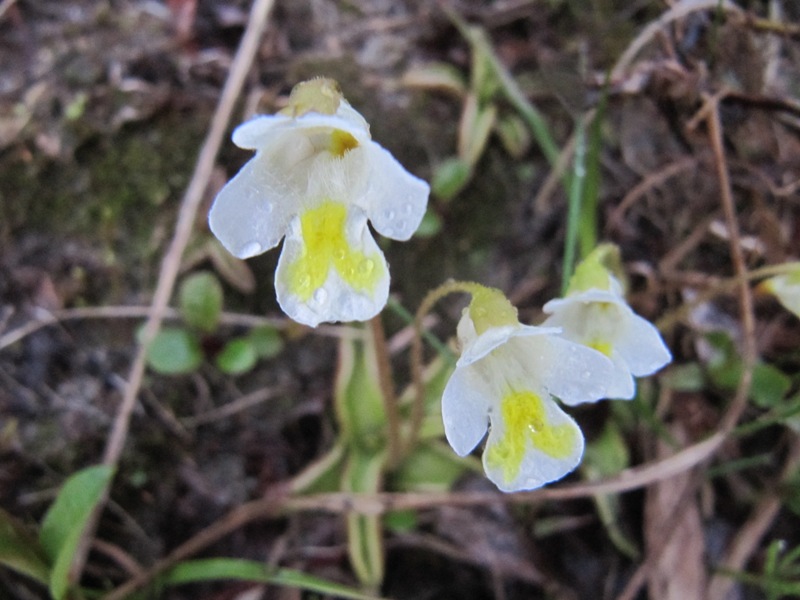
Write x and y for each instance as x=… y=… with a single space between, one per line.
x=574 y=212
x=417 y=375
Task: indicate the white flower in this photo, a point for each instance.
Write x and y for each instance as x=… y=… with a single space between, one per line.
x=505 y=380
x=601 y=319
x=786 y=288
x=316 y=178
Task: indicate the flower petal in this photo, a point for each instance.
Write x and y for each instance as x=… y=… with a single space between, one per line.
x=475 y=347
x=570 y=371
x=330 y=268
x=251 y=212
x=641 y=346
x=261 y=131
x=621 y=386
x=395 y=200
x=532 y=442
x=465 y=409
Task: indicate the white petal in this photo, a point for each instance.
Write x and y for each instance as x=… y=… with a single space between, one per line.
x=465 y=410
x=395 y=200
x=537 y=466
x=586 y=297
x=621 y=386
x=252 y=211
x=475 y=347
x=570 y=371
x=641 y=346
x=261 y=131
x=335 y=298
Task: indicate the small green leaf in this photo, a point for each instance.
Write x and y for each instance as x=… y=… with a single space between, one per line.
x=450 y=177
x=174 y=351
x=66 y=518
x=20 y=551
x=358 y=400
x=401 y=521
x=474 y=129
x=514 y=135
x=200 y=300
x=485 y=82
x=687 y=377
x=607 y=454
x=323 y=475
x=363 y=473
x=770 y=385
x=210 y=569
x=431 y=225
x=237 y=357
x=429 y=468
x=266 y=340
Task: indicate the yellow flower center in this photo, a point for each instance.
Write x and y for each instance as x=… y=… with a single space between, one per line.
x=525 y=420
x=326 y=247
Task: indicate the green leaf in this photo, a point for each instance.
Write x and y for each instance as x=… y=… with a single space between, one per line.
x=245 y=570
x=607 y=454
x=770 y=385
x=687 y=377
x=266 y=340
x=200 y=299
x=431 y=225
x=363 y=473
x=174 y=351
x=357 y=398
x=323 y=475
x=430 y=468
x=20 y=551
x=514 y=135
x=474 y=129
x=401 y=521
x=66 y=518
x=237 y=357
x=450 y=177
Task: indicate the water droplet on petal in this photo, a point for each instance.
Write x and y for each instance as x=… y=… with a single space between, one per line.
x=340 y=254
x=389 y=214
x=320 y=295
x=407 y=208
x=366 y=266
x=401 y=225
x=251 y=249
x=305 y=282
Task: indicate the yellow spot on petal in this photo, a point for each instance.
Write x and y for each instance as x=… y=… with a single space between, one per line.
x=325 y=248
x=525 y=424
x=601 y=346
x=341 y=142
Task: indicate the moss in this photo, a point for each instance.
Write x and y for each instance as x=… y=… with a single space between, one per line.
x=111 y=192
